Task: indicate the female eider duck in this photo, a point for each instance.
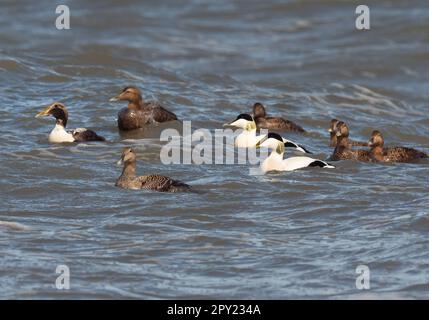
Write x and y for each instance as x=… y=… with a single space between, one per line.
x=59 y=133
x=138 y=112
x=343 y=150
x=275 y=161
x=333 y=139
x=392 y=154
x=274 y=123
x=248 y=138
x=129 y=180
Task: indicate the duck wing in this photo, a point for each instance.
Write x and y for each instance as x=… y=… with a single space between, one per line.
x=82 y=134
x=295 y=163
x=159 y=113
x=162 y=183
x=344 y=153
x=282 y=124
x=355 y=143
x=402 y=154
x=291 y=144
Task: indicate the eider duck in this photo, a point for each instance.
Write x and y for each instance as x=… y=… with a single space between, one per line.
x=139 y=113
x=129 y=180
x=343 y=150
x=59 y=133
x=392 y=154
x=275 y=161
x=248 y=138
x=274 y=123
x=333 y=140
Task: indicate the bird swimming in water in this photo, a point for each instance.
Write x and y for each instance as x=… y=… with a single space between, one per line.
x=138 y=112
x=59 y=133
x=273 y=123
x=392 y=154
x=129 y=180
x=343 y=150
x=333 y=139
x=275 y=161
x=248 y=138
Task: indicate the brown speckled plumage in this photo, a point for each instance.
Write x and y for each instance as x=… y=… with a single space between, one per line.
x=392 y=154
x=334 y=139
x=274 y=123
x=129 y=180
x=343 y=150
x=86 y=135
x=138 y=112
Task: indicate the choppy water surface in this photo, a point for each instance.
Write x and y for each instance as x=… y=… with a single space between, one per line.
x=286 y=235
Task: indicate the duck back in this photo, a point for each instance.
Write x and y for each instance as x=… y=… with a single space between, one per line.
x=402 y=154
x=276 y=123
x=162 y=183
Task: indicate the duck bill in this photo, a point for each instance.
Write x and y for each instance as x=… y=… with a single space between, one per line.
x=114 y=99
x=120 y=162
x=330 y=130
x=229 y=124
x=44 y=112
x=234 y=123
x=258 y=144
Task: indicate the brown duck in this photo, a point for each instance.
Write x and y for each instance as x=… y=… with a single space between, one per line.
x=393 y=154
x=139 y=113
x=129 y=180
x=333 y=141
x=343 y=150
x=274 y=123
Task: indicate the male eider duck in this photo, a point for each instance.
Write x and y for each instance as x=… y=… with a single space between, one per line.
x=59 y=133
x=129 y=180
x=392 y=154
x=275 y=161
x=248 y=138
x=333 y=140
x=139 y=113
x=343 y=150
x=274 y=123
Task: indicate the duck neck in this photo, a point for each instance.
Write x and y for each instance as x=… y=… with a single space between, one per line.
x=277 y=155
x=61 y=116
x=136 y=104
x=334 y=139
x=129 y=170
x=251 y=128
x=377 y=152
x=342 y=142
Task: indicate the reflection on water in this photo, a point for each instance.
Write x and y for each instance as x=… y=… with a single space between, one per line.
x=283 y=235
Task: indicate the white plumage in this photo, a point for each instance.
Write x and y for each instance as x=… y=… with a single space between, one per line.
x=275 y=161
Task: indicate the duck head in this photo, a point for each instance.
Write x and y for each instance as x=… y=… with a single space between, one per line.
x=376 y=139
x=272 y=141
x=57 y=110
x=128 y=156
x=130 y=94
x=333 y=126
x=342 y=130
x=244 y=121
x=259 y=110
